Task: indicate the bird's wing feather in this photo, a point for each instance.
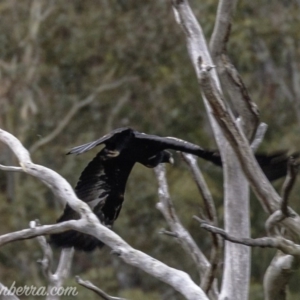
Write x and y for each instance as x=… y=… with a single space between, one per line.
x=110 y=137
x=101 y=185
x=275 y=165
x=173 y=143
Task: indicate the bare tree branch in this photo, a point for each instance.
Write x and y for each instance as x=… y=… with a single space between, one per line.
x=166 y=207
x=209 y=204
x=258 y=138
x=281 y=267
x=57 y=279
x=47 y=260
x=284 y=212
x=169 y=233
x=236 y=215
x=278 y=273
x=261 y=186
x=90 y=224
x=64 y=265
x=87 y=284
x=288 y=184
x=280 y=243
x=202 y=187
x=11 y=169
x=221 y=27
x=37 y=231
x=277 y=276
x=229 y=76
x=272 y=223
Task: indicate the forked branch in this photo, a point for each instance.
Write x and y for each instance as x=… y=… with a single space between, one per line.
x=90 y=224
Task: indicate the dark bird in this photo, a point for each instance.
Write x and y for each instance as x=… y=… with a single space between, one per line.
x=102 y=183
x=274 y=165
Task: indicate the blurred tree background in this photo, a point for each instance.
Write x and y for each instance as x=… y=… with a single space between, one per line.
x=70 y=71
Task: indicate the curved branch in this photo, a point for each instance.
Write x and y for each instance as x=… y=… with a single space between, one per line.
x=259 y=135
x=90 y=224
x=166 y=207
x=236 y=272
x=87 y=284
x=280 y=243
x=230 y=78
x=210 y=274
x=264 y=191
x=288 y=184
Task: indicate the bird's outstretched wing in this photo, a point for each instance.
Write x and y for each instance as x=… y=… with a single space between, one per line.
x=101 y=185
x=116 y=137
x=274 y=165
x=161 y=143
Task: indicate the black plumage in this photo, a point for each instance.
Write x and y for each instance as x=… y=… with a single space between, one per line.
x=102 y=183
x=274 y=165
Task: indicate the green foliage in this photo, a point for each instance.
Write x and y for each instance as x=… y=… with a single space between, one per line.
x=81 y=45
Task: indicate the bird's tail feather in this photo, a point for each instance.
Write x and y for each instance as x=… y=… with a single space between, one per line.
x=78 y=240
x=72 y=238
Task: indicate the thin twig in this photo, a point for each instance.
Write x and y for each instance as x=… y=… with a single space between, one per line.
x=278 y=274
x=284 y=212
x=271 y=225
x=280 y=243
x=184 y=238
x=47 y=260
x=168 y=233
x=261 y=186
x=64 y=265
x=57 y=279
x=202 y=187
x=87 y=284
x=210 y=274
x=288 y=184
x=37 y=231
x=259 y=136
x=166 y=207
x=229 y=75
x=11 y=168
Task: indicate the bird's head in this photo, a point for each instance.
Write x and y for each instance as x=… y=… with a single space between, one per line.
x=161 y=157
x=166 y=157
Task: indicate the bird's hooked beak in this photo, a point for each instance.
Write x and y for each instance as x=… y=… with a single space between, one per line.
x=171 y=160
